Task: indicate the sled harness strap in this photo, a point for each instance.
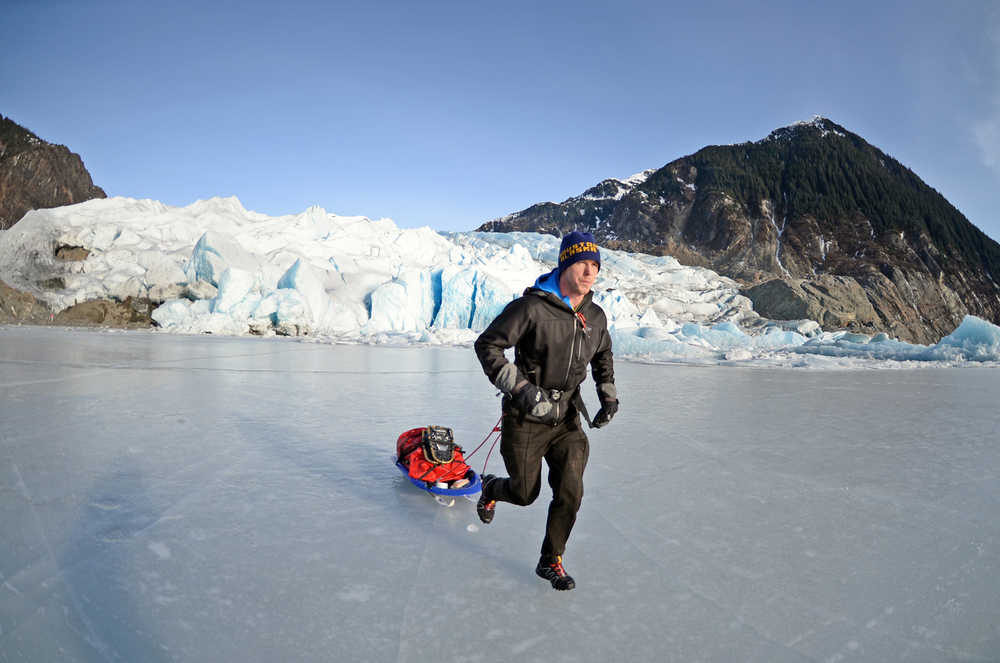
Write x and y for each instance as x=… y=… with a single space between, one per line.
x=582 y=407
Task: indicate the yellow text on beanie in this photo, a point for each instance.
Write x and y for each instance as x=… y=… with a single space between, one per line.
x=578 y=246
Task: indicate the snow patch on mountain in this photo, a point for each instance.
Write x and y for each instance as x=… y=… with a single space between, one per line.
x=818 y=122
x=638 y=178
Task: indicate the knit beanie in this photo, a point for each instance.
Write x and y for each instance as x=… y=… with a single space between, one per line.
x=578 y=246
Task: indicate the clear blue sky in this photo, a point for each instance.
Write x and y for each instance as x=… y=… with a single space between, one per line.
x=449 y=114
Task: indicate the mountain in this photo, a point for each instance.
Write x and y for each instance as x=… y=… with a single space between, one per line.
x=35 y=174
x=812 y=220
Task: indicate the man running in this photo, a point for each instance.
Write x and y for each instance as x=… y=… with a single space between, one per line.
x=556 y=330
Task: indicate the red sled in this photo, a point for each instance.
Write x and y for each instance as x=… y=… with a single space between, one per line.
x=412 y=450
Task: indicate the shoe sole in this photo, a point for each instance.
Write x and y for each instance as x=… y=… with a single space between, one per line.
x=570 y=584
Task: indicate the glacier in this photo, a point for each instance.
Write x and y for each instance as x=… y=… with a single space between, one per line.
x=219 y=268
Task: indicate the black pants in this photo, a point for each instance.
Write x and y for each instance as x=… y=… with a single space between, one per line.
x=565 y=449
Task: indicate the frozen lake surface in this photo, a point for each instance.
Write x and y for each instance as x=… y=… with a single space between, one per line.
x=197 y=498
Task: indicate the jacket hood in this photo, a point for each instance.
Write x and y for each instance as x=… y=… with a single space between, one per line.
x=548 y=283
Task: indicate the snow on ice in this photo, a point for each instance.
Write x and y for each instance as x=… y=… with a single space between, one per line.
x=221 y=269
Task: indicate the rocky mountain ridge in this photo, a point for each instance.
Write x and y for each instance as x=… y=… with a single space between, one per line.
x=35 y=174
x=812 y=220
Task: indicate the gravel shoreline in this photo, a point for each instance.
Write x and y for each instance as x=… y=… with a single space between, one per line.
x=19 y=307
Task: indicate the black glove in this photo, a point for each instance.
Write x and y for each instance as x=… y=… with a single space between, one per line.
x=529 y=399
x=605 y=414
x=607 y=393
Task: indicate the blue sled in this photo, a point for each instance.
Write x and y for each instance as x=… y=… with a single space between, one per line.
x=475 y=485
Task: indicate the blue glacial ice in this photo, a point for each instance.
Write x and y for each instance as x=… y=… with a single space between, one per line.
x=225 y=270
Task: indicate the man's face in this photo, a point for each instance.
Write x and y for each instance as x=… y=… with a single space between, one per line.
x=578 y=278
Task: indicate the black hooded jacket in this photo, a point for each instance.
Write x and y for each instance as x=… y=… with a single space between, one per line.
x=552 y=344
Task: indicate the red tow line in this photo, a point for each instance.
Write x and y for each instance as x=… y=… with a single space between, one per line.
x=495 y=431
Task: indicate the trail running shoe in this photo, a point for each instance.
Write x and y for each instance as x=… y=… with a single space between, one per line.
x=484 y=507
x=552 y=570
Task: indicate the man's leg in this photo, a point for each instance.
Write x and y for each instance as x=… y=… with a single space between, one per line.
x=522 y=445
x=566 y=458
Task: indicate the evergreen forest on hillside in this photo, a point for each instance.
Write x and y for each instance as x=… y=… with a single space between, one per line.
x=831 y=177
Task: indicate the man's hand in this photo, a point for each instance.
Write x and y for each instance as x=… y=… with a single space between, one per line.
x=605 y=414
x=529 y=399
x=608 y=393
x=526 y=397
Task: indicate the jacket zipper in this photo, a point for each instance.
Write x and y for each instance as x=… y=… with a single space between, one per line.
x=572 y=347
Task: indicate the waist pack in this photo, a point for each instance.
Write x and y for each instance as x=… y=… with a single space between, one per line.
x=563 y=404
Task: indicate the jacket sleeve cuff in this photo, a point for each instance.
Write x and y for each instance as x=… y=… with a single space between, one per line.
x=607 y=391
x=506 y=379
